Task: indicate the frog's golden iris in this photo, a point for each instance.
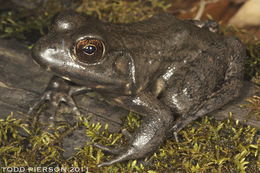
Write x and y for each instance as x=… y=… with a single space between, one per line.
x=89 y=50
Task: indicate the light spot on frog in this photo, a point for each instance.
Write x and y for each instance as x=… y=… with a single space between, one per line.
x=48 y=68
x=100 y=86
x=66 y=78
x=179 y=38
x=168 y=73
x=185 y=61
x=132 y=69
x=118 y=101
x=185 y=91
x=35 y=62
x=159 y=87
x=144 y=139
x=74 y=65
x=64 y=25
x=176 y=102
x=48 y=55
x=62 y=42
x=150 y=61
x=121 y=66
x=211 y=60
x=127 y=85
x=138 y=101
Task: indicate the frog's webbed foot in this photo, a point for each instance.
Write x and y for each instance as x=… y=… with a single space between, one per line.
x=115 y=151
x=58 y=91
x=122 y=154
x=55 y=99
x=181 y=123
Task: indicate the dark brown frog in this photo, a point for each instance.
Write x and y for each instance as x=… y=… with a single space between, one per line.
x=168 y=70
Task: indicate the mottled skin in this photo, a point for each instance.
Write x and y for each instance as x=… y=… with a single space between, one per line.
x=168 y=70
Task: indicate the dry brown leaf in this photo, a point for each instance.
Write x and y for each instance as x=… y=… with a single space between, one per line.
x=247 y=15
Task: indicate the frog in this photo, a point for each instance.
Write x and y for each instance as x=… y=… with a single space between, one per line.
x=169 y=71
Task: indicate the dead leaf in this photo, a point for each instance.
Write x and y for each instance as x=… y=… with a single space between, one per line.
x=247 y=15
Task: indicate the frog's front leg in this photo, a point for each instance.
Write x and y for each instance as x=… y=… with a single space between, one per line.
x=57 y=91
x=153 y=131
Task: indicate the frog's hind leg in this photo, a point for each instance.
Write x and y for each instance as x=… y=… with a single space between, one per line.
x=228 y=91
x=152 y=132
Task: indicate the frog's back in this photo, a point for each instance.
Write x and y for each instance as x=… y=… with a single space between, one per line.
x=160 y=36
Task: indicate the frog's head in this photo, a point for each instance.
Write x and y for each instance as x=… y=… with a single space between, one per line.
x=76 y=49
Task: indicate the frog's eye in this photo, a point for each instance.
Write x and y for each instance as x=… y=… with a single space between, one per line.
x=89 y=50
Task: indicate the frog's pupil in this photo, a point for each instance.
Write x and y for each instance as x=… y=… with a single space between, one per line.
x=89 y=49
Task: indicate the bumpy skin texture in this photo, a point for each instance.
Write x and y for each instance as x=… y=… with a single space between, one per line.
x=168 y=70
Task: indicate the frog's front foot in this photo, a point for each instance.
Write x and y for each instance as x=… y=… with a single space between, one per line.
x=57 y=91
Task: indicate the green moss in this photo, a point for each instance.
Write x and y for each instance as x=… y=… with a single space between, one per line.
x=253 y=106
x=30 y=24
x=123 y=11
x=205 y=146
x=253 y=62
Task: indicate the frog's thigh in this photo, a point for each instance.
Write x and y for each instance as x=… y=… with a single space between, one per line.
x=233 y=80
x=229 y=90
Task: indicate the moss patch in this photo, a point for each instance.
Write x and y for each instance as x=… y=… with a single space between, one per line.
x=205 y=146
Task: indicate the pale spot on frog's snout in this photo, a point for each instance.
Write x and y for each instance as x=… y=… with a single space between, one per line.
x=47 y=55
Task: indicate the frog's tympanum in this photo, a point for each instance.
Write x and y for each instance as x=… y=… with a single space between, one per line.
x=168 y=70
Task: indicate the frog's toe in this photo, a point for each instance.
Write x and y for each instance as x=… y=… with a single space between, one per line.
x=125 y=154
x=108 y=149
x=111 y=162
x=126 y=134
x=46 y=96
x=69 y=100
x=55 y=99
